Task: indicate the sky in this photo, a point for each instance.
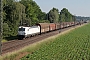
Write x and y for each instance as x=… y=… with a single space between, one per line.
x=75 y=7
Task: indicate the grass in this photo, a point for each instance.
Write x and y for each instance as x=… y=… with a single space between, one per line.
x=4 y=40
x=33 y=48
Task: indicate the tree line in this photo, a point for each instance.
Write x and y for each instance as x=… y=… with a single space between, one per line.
x=27 y=12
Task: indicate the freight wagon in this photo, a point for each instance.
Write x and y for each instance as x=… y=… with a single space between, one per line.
x=44 y=27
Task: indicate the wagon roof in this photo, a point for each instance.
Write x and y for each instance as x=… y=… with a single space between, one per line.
x=57 y=23
x=43 y=24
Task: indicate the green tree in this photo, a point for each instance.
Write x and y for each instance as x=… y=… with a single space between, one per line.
x=32 y=10
x=6 y=30
x=53 y=15
x=24 y=12
x=65 y=15
x=14 y=13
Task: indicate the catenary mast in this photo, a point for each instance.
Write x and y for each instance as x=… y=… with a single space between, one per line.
x=1 y=24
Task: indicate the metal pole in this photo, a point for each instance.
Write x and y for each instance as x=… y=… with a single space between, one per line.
x=47 y=16
x=60 y=24
x=74 y=20
x=1 y=24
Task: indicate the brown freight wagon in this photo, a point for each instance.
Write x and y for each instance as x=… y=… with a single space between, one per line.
x=58 y=26
x=72 y=23
x=52 y=26
x=77 y=23
x=44 y=27
x=68 y=24
x=64 y=24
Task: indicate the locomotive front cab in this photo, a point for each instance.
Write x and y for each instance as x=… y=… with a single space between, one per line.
x=21 y=32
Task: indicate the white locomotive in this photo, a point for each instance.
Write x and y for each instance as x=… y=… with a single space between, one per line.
x=24 y=32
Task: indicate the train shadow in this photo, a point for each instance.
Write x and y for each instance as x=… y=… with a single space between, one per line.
x=11 y=38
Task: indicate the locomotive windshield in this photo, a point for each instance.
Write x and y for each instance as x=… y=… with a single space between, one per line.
x=21 y=29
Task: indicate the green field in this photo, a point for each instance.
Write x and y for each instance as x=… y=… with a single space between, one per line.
x=72 y=46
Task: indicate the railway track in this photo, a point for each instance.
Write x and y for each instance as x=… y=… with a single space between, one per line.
x=18 y=44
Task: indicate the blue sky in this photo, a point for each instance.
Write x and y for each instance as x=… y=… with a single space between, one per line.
x=75 y=7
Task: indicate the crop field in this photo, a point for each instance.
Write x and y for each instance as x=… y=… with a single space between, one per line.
x=74 y=45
